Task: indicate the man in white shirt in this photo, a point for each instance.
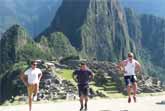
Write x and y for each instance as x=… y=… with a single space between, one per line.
x=130 y=66
x=31 y=79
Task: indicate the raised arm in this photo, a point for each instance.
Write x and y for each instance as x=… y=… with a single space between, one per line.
x=120 y=66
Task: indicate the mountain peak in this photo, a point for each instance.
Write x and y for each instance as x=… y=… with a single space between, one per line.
x=90 y=24
x=16 y=35
x=12 y=40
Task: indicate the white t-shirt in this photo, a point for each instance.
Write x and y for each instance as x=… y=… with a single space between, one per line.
x=130 y=68
x=33 y=75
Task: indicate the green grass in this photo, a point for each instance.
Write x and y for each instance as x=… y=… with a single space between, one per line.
x=66 y=74
x=109 y=89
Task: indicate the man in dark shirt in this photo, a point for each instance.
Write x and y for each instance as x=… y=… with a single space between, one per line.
x=83 y=76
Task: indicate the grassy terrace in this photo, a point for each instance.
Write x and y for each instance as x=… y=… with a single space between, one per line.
x=109 y=89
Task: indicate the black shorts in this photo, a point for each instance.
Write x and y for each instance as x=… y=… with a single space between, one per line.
x=130 y=79
x=83 y=90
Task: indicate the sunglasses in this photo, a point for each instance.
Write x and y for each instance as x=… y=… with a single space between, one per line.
x=34 y=64
x=130 y=56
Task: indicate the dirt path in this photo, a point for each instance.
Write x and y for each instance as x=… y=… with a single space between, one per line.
x=143 y=104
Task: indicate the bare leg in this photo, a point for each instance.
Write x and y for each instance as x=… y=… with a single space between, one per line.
x=129 y=93
x=36 y=90
x=134 y=88
x=30 y=96
x=86 y=102
x=129 y=90
x=81 y=102
x=30 y=103
x=134 y=91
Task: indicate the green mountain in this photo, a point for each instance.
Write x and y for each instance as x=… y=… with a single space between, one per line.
x=96 y=29
x=58 y=44
x=149 y=33
x=34 y=15
x=16 y=45
x=153 y=33
x=17 y=48
x=103 y=30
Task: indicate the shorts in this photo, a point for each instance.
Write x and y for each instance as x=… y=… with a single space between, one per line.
x=32 y=89
x=83 y=90
x=130 y=79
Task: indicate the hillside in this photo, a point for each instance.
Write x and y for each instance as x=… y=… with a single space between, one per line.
x=16 y=46
x=149 y=35
x=96 y=29
x=105 y=31
x=34 y=15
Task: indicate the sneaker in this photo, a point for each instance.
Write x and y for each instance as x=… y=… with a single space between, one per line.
x=35 y=98
x=134 y=98
x=129 y=99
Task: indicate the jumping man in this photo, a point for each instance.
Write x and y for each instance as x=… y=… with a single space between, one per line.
x=31 y=79
x=130 y=66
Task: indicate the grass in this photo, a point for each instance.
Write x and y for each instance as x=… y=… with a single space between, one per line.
x=66 y=74
x=109 y=89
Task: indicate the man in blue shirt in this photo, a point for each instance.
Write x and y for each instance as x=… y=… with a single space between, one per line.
x=83 y=76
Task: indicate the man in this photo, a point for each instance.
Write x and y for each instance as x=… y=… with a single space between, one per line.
x=130 y=66
x=83 y=76
x=31 y=79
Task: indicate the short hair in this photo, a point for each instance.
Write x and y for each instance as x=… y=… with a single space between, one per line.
x=130 y=54
x=82 y=63
x=33 y=62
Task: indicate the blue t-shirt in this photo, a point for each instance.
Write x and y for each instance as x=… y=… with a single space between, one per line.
x=83 y=76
